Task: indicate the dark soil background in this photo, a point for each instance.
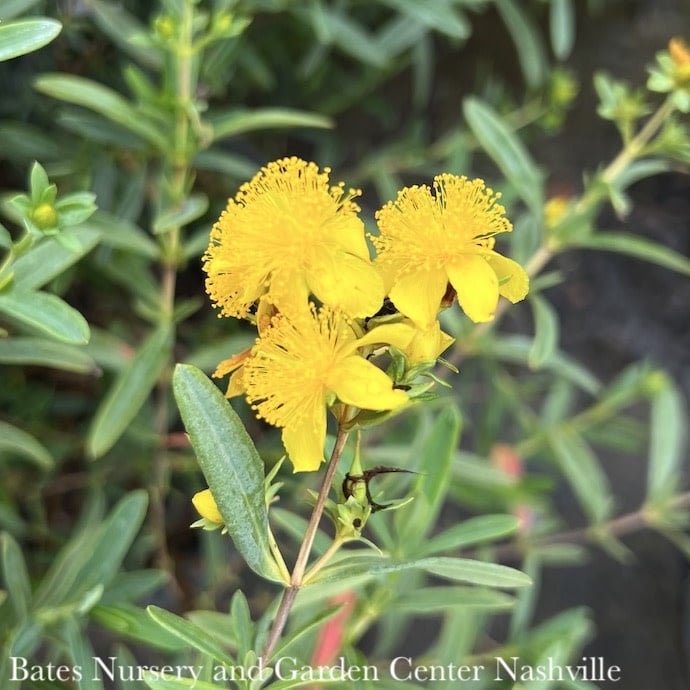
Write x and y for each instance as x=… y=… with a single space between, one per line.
x=615 y=310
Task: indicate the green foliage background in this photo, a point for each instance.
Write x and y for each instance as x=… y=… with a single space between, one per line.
x=147 y=117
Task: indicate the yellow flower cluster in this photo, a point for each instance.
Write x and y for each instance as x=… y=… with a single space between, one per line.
x=290 y=254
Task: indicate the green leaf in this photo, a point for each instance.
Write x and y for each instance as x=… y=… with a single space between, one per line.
x=431 y=485
x=439 y=15
x=26 y=35
x=583 y=472
x=104 y=101
x=93 y=557
x=352 y=39
x=241 y=621
x=477 y=530
x=507 y=151
x=45 y=313
x=47 y=353
x=156 y=682
x=294 y=635
x=122 y=234
x=49 y=259
x=133 y=585
x=190 y=633
x=133 y=622
x=230 y=463
x=546 y=328
x=129 y=392
x=16 y=576
x=459 y=569
x=639 y=247
x=124 y=28
x=82 y=655
x=476 y=572
x=226 y=162
x=430 y=601
x=18 y=442
x=527 y=40
x=516 y=348
x=13 y=8
x=241 y=121
x=668 y=433
x=193 y=207
x=562 y=27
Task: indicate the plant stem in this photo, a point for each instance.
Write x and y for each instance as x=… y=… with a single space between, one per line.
x=179 y=165
x=297 y=578
x=625 y=524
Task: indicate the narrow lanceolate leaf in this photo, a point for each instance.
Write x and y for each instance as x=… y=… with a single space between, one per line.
x=240 y=121
x=476 y=572
x=16 y=576
x=430 y=601
x=457 y=569
x=667 y=442
x=49 y=259
x=583 y=472
x=18 y=442
x=545 y=332
x=193 y=207
x=230 y=463
x=46 y=353
x=93 y=557
x=190 y=633
x=432 y=483
x=102 y=100
x=26 y=35
x=527 y=40
x=129 y=392
x=44 y=313
x=81 y=654
x=158 y=681
x=506 y=150
x=639 y=247
x=477 y=530
x=562 y=27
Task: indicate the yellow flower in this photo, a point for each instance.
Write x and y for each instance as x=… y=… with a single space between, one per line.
x=288 y=234
x=301 y=365
x=206 y=506
x=428 y=240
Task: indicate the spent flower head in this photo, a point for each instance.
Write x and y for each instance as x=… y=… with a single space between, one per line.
x=429 y=238
x=289 y=234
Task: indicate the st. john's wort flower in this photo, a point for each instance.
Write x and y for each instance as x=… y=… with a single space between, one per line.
x=431 y=238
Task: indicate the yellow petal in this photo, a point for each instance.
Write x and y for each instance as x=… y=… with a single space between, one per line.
x=513 y=281
x=206 y=506
x=476 y=285
x=358 y=382
x=418 y=295
x=232 y=363
x=349 y=236
x=428 y=345
x=347 y=282
x=398 y=335
x=304 y=439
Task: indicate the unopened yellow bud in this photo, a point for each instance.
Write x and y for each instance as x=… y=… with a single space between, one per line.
x=206 y=506
x=555 y=209
x=45 y=217
x=164 y=26
x=679 y=51
x=680 y=54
